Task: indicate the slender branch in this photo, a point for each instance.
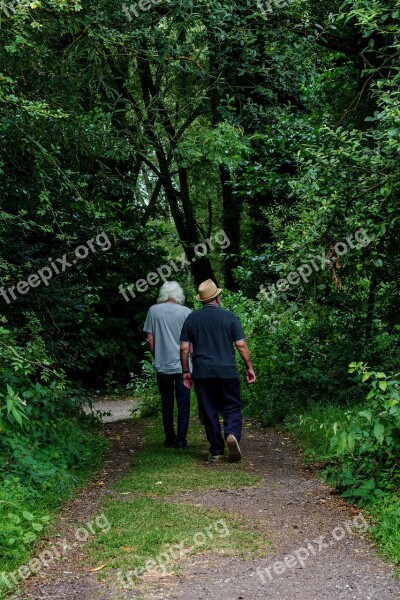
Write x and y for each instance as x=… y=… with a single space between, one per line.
x=152 y=203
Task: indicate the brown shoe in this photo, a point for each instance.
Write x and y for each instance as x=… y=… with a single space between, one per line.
x=234 y=454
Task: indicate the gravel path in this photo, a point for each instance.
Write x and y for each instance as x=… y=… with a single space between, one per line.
x=116 y=410
x=302 y=518
x=314 y=531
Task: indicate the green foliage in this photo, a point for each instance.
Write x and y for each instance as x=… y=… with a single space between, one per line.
x=360 y=444
x=65 y=169
x=367 y=443
x=386 y=527
x=144 y=387
x=221 y=145
x=313 y=430
x=20 y=528
x=296 y=356
x=44 y=448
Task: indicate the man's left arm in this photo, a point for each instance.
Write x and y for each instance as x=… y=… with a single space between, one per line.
x=238 y=337
x=245 y=354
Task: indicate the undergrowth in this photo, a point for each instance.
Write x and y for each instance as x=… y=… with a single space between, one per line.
x=47 y=445
x=359 y=448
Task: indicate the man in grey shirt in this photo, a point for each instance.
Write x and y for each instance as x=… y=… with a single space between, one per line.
x=163 y=326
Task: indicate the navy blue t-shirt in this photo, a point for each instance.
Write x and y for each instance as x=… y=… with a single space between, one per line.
x=212 y=331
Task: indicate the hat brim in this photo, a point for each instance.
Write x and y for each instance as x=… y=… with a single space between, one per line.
x=217 y=293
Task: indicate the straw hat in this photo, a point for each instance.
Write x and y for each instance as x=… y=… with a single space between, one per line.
x=208 y=291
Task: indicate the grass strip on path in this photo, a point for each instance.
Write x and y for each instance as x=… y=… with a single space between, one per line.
x=159 y=471
x=144 y=525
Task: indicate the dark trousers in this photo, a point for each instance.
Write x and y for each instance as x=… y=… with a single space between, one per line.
x=220 y=396
x=171 y=386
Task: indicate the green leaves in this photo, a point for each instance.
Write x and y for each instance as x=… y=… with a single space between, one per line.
x=379 y=431
x=367 y=444
x=14 y=407
x=19 y=530
x=367 y=414
x=222 y=145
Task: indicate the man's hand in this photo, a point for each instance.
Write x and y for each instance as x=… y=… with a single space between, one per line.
x=245 y=354
x=187 y=380
x=250 y=376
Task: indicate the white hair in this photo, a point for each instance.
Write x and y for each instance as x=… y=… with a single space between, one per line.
x=171 y=290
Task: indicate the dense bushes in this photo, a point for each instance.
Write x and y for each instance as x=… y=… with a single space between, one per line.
x=301 y=360
x=366 y=444
x=360 y=445
x=44 y=448
x=300 y=356
x=143 y=386
x=359 y=450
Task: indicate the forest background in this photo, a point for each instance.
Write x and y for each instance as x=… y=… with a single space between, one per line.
x=129 y=140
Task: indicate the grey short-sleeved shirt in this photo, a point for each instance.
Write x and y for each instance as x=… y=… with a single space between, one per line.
x=212 y=331
x=165 y=322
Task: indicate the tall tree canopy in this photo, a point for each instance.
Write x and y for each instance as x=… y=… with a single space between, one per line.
x=278 y=126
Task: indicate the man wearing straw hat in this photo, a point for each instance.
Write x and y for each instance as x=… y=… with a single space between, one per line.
x=213 y=332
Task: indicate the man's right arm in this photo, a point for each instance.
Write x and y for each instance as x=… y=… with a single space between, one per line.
x=148 y=329
x=245 y=354
x=150 y=341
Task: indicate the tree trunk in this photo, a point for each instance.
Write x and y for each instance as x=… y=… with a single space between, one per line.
x=231 y=204
x=369 y=321
x=231 y=219
x=184 y=218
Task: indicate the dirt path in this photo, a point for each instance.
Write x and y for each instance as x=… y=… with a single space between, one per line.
x=295 y=510
x=326 y=559
x=65 y=578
